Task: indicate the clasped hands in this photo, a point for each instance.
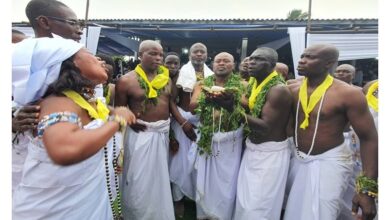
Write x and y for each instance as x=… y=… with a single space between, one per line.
x=222 y=99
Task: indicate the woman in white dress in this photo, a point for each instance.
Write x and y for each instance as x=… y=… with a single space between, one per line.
x=64 y=176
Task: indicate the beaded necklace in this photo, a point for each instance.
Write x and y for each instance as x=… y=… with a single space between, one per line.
x=315 y=129
x=117 y=216
x=227 y=121
x=101 y=113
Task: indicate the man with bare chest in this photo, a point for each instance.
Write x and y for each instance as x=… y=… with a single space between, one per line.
x=146 y=191
x=265 y=162
x=322 y=163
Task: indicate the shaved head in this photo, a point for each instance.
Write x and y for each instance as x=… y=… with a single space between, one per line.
x=347 y=67
x=282 y=69
x=226 y=55
x=268 y=53
x=345 y=72
x=327 y=51
x=223 y=64
x=147 y=44
x=197 y=45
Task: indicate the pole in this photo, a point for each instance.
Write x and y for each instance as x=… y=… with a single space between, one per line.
x=86 y=24
x=309 y=18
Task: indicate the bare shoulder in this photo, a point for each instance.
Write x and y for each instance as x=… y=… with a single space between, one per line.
x=54 y=104
x=350 y=95
x=294 y=81
x=125 y=81
x=344 y=88
x=294 y=84
x=280 y=95
x=129 y=76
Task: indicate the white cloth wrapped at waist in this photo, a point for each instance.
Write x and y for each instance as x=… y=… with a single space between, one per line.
x=181 y=170
x=316 y=185
x=216 y=181
x=146 y=192
x=262 y=180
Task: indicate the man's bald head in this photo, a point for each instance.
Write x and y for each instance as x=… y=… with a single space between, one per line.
x=270 y=54
x=225 y=55
x=198 y=55
x=151 y=55
x=148 y=44
x=345 y=72
x=318 y=59
x=198 y=45
x=282 y=69
x=223 y=64
x=327 y=51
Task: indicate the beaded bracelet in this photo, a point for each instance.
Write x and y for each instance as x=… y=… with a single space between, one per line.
x=120 y=120
x=367 y=186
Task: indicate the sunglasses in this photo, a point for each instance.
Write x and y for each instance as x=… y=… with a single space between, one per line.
x=72 y=22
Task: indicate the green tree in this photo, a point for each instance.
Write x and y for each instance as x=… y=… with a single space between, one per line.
x=297 y=14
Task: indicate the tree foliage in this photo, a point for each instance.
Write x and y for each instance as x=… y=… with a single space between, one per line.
x=297 y=14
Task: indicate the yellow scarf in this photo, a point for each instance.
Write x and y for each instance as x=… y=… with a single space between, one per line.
x=371 y=99
x=257 y=89
x=313 y=99
x=101 y=111
x=159 y=81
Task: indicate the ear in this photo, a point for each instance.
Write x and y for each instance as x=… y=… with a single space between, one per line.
x=331 y=65
x=43 y=22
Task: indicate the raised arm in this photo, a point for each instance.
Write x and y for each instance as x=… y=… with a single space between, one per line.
x=67 y=143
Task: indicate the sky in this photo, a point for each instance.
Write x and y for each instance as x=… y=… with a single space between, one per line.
x=211 y=9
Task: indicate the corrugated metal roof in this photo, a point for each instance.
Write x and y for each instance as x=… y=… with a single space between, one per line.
x=237 y=19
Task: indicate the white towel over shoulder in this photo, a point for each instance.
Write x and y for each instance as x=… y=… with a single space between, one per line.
x=187 y=76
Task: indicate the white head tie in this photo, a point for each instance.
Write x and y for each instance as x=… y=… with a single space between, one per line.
x=36 y=63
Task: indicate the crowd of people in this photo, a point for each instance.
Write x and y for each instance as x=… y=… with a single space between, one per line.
x=252 y=145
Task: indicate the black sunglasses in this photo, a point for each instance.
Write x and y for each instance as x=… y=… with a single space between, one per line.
x=81 y=24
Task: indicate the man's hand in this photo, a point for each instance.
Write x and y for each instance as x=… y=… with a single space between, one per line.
x=188 y=129
x=173 y=146
x=137 y=127
x=366 y=203
x=26 y=118
x=222 y=99
x=225 y=100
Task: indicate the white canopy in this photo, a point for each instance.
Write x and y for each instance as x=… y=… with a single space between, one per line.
x=351 y=46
